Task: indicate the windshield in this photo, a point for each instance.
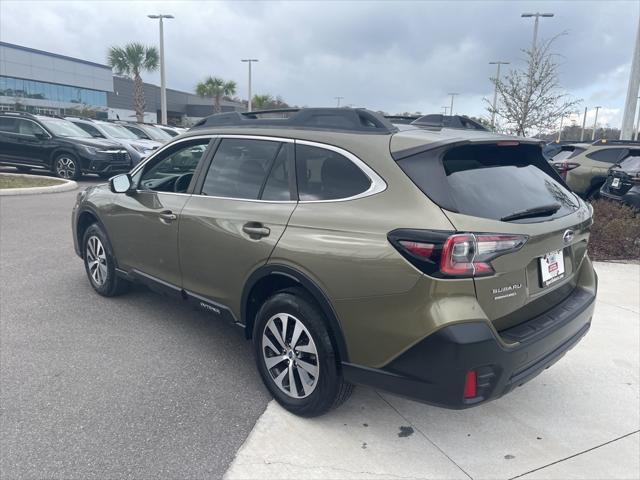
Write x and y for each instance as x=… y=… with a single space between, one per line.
x=155 y=133
x=116 y=131
x=64 y=128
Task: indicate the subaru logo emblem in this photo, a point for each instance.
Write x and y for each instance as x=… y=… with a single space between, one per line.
x=568 y=236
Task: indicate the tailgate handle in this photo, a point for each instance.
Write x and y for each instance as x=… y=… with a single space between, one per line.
x=254 y=229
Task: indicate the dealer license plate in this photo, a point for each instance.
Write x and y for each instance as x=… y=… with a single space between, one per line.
x=552 y=267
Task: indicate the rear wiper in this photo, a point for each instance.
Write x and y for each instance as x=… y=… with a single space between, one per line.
x=540 y=211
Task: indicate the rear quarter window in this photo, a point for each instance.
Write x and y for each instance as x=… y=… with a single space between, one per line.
x=607 y=155
x=323 y=174
x=489 y=181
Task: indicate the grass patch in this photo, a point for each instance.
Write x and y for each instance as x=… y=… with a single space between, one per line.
x=615 y=234
x=27 y=181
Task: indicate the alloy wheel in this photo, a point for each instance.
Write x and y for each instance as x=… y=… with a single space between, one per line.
x=290 y=355
x=97 y=260
x=65 y=167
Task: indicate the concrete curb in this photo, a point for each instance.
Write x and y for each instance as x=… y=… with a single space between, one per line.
x=63 y=187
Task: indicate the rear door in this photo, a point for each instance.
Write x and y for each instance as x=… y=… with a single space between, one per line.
x=488 y=189
x=240 y=209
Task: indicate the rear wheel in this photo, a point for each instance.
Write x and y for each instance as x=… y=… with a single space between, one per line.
x=100 y=263
x=66 y=166
x=295 y=356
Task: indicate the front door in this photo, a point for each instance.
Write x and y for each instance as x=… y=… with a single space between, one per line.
x=238 y=212
x=144 y=224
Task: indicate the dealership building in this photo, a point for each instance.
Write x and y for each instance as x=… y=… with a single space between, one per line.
x=52 y=84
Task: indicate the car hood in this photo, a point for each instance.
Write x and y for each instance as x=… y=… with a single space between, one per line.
x=94 y=142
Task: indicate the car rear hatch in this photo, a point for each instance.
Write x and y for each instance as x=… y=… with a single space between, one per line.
x=624 y=176
x=520 y=234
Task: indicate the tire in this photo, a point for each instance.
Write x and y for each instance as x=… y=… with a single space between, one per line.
x=66 y=166
x=100 y=264
x=593 y=194
x=312 y=395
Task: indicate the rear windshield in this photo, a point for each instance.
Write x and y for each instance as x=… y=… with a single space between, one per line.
x=632 y=162
x=490 y=181
x=566 y=153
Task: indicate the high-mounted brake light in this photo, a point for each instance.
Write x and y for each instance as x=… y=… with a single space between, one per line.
x=454 y=255
x=507 y=143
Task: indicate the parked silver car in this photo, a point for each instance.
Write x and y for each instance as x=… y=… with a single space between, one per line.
x=138 y=148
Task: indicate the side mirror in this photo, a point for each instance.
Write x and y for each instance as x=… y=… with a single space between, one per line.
x=41 y=135
x=120 y=183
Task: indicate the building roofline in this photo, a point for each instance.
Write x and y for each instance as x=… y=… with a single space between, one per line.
x=54 y=55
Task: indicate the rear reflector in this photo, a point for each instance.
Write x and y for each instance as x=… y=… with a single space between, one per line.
x=470 y=384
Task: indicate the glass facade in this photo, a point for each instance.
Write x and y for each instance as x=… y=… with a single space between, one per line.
x=19 y=88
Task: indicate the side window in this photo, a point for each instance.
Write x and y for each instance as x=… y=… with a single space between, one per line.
x=326 y=175
x=8 y=125
x=239 y=168
x=277 y=186
x=608 y=155
x=25 y=127
x=173 y=170
x=90 y=129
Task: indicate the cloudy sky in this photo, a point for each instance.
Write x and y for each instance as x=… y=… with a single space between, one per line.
x=389 y=55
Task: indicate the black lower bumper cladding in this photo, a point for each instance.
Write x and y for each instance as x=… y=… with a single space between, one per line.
x=434 y=370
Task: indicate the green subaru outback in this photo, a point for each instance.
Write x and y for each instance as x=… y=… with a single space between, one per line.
x=585 y=167
x=446 y=265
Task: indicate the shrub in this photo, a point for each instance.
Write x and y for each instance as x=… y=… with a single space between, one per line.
x=615 y=234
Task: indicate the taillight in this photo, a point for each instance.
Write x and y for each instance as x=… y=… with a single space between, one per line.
x=442 y=254
x=564 y=167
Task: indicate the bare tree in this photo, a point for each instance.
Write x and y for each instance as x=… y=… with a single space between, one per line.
x=531 y=97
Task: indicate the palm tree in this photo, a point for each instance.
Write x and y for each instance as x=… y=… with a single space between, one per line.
x=215 y=87
x=262 y=101
x=131 y=60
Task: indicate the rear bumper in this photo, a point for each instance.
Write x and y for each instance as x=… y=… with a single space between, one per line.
x=631 y=198
x=434 y=370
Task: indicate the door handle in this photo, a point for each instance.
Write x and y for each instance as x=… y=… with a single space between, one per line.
x=254 y=229
x=167 y=216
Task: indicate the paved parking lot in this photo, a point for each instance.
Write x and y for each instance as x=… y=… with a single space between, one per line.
x=141 y=386
x=579 y=419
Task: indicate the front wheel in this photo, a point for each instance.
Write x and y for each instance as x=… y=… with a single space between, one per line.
x=295 y=356
x=66 y=166
x=100 y=264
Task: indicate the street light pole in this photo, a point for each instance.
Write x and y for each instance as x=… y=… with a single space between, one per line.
x=445 y=110
x=626 y=132
x=636 y=133
x=163 y=86
x=338 y=99
x=595 y=122
x=536 y=16
x=495 y=92
x=584 y=121
x=249 y=61
x=451 y=107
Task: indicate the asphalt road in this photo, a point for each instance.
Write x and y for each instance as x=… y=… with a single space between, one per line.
x=136 y=386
